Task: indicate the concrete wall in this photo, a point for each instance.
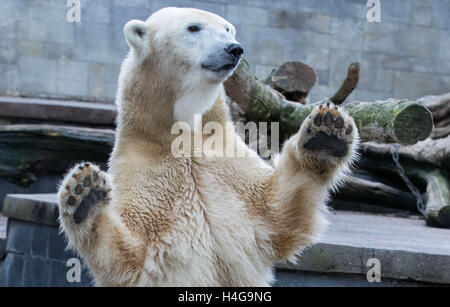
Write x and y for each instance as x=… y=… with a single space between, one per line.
x=36 y=255
x=407 y=55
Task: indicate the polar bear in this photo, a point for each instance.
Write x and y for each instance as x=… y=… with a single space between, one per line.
x=154 y=219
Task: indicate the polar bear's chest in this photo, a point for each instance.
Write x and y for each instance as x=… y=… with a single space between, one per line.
x=211 y=241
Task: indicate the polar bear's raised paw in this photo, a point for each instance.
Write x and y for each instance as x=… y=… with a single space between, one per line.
x=328 y=130
x=85 y=187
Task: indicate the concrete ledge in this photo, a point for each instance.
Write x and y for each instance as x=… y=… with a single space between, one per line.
x=292 y=278
x=58 y=110
x=406 y=248
x=39 y=208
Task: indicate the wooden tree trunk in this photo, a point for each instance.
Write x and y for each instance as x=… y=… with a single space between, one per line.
x=440 y=132
x=29 y=149
x=390 y=121
x=294 y=80
x=438 y=105
x=349 y=85
x=440 y=108
x=437 y=196
x=437 y=212
x=372 y=192
x=435 y=153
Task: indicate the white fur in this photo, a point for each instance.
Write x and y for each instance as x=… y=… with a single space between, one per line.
x=192 y=221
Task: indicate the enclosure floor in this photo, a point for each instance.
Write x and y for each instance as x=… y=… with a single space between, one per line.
x=386 y=233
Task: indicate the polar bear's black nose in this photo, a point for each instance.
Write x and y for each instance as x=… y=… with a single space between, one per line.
x=235 y=50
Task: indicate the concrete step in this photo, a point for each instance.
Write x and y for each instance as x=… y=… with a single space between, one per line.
x=409 y=252
x=406 y=248
x=57 y=110
x=292 y=278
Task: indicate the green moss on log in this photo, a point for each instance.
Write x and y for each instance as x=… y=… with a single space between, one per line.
x=388 y=121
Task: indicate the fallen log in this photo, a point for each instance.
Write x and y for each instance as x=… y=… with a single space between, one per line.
x=390 y=121
x=438 y=105
x=349 y=85
x=294 y=80
x=435 y=153
x=48 y=149
x=440 y=108
x=436 y=197
x=376 y=193
x=442 y=122
x=437 y=213
x=440 y=132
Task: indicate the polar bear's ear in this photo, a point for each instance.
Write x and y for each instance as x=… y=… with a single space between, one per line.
x=136 y=32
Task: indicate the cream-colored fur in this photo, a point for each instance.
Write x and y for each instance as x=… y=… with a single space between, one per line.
x=193 y=221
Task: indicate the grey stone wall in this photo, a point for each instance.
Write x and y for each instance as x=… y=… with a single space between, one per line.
x=406 y=55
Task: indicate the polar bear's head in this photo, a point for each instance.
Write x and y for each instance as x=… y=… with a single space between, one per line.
x=189 y=50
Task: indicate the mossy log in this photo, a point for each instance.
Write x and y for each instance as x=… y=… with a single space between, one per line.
x=390 y=121
x=47 y=149
x=440 y=108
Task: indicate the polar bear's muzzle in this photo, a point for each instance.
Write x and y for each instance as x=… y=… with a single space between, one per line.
x=224 y=59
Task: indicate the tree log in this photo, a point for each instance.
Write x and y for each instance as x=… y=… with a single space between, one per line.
x=390 y=121
x=440 y=108
x=294 y=80
x=437 y=196
x=440 y=132
x=29 y=149
x=438 y=105
x=349 y=85
x=442 y=122
x=376 y=193
x=435 y=153
x=437 y=213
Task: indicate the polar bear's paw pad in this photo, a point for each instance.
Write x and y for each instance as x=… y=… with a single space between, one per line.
x=328 y=129
x=83 y=188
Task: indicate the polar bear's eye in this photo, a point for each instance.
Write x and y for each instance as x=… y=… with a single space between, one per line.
x=228 y=29
x=194 y=28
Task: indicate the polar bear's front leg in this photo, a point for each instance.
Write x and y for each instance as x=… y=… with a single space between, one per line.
x=314 y=161
x=83 y=195
x=114 y=255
